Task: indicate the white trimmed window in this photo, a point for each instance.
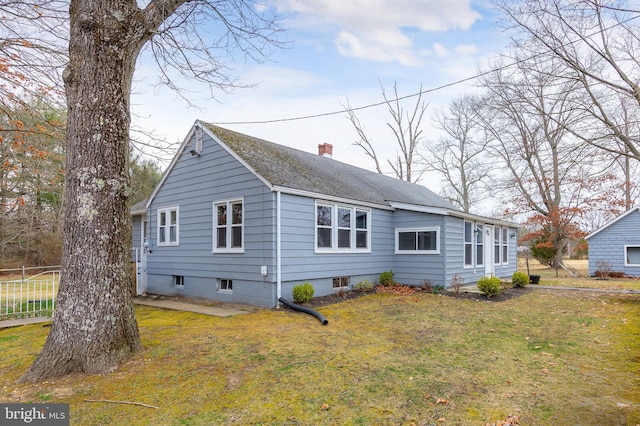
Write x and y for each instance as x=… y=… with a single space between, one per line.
x=631 y=255
x=178 y=280
x=418 y=240
x=228 y=229
x=480 y=245
x=341 y=228
x=468 y=243
x=340 y=282
x=226 y=285
x=497 y=247
x=168 y=226
x=505 y=246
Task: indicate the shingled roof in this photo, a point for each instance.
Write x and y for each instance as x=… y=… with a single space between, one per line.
x=299 y=170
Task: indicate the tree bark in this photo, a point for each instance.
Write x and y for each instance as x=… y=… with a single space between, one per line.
x=94 y=328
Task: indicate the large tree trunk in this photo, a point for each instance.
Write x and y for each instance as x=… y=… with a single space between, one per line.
x=94 y=328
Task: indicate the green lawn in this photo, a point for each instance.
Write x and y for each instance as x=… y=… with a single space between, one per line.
x=548 y=357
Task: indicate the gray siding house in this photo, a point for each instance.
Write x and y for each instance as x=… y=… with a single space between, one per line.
x=239 y=219
x=617 y=245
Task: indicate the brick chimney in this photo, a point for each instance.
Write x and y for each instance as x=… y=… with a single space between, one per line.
x=325 y=150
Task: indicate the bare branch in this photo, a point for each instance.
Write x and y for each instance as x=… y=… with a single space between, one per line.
x=408 y=135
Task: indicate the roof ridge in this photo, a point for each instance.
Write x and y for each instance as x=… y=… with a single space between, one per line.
x=291 y=167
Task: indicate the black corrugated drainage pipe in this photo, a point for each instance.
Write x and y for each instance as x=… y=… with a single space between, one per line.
x=306 y=310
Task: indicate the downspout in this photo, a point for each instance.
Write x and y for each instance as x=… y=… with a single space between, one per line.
x=278 y=250
x=306 y=310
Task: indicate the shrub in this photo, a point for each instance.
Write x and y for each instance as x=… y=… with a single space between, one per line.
x=456 y=283
x=386 y=278
x=437 y=289
x=303 y=292
x=604 y=269
x=427 y=285
x=603 y=275
x=364 y=285
x=490 y=286
x=520 y=279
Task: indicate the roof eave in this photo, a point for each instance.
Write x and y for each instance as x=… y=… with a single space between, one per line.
x=485 y=219
x=174 y=160
x=419 y=208
x=320 y=196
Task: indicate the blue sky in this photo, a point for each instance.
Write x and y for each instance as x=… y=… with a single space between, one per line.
x=340 y=50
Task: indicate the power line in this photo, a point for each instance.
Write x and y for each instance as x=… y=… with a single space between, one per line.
x=434 y=89
x=325 y=114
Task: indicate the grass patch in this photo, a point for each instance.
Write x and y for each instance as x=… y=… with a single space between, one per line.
x=43 y=308
x=564 y=279
x=548 y=357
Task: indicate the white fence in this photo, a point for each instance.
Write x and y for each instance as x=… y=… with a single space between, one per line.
x=30 y=297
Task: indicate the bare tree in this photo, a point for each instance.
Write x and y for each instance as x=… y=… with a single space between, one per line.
x=363 y=140
x=597 y=42
x=94 y=329
x=406 y=129
x=459 y=156
x=527 y=112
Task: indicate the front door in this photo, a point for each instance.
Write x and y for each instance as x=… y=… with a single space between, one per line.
x=142 y=262
x=489 y=266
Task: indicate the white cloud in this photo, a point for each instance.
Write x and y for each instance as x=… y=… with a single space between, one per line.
x=280 y=80
x=466 y=49
x=395 y=49
x=442 y=51
x=378 y=30
x=261 y=7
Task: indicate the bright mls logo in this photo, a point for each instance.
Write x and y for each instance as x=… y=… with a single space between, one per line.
x=34 y=414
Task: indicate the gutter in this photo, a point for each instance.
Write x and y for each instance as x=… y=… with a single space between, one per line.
x=487 y=220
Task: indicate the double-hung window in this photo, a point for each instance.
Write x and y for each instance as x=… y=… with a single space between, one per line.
x=342 y=228
x=418 y=240
x=505 y=246
x=468 y=243
x=497 y=247
x=480 y=245
x=228 y=232
x=168 y=226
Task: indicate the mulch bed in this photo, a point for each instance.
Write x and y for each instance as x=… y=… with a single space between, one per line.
x=503 y=296
x=330 y=299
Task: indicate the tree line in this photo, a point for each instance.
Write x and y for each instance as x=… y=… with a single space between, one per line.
x=32 y=158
